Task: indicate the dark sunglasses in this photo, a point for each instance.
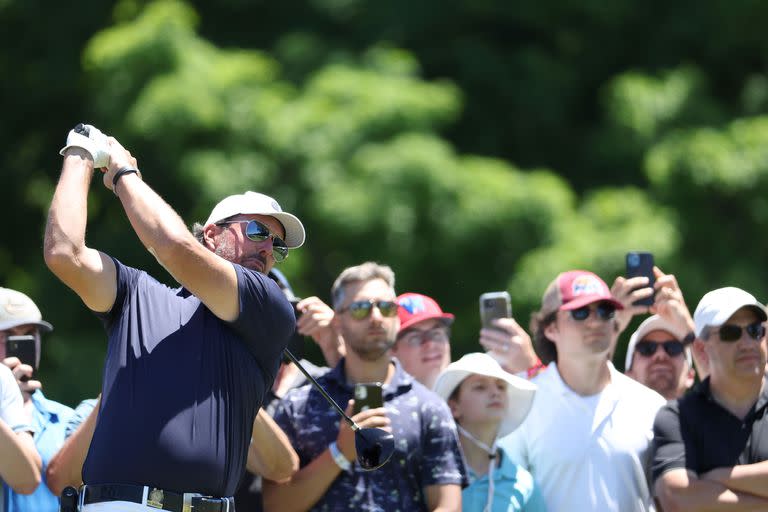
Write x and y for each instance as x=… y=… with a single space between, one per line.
x=362 y=308
x=258 y=232
x=673 y=348
x=604 y=310
x=730 y=332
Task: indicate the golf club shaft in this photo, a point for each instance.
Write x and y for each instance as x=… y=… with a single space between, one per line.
x=318 y=387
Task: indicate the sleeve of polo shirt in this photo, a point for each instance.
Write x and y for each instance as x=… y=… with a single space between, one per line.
x=79 y=415
x=125 y=278
x=668 y=447
x=266 y=320
x=11 y=402
x=442 y=461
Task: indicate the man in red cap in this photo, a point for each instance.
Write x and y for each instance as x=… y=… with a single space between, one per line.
x=587 y=436
x=423 y=344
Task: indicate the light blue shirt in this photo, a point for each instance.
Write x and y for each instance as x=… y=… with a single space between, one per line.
x=49 y=420
x=513 y=490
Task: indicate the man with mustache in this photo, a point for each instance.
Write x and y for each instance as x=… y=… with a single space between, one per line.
x=711 y=445
x=186 y=368
x=426 y=470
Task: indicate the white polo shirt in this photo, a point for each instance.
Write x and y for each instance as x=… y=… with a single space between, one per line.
x=11 y=410
x=588 y=453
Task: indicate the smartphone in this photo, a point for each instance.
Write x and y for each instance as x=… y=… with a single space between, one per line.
x=22 y=347
x=368 y=395
x=641 y=264
x=494 y=305
x=296 y=343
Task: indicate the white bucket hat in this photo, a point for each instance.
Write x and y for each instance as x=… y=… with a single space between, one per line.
x=254 y=203
x=520 y=392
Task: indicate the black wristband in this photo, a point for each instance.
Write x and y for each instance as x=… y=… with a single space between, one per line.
x=122 y=172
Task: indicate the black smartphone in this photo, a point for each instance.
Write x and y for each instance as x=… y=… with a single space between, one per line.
x=368 y=395
x=641 y=264
x=494 y=305
x=22 y=347
x=296 y=343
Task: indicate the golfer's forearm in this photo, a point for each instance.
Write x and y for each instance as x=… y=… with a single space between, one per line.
x=270 y=453
x=305 y=488
x=67 y=217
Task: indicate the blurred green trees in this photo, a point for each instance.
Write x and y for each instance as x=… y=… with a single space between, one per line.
x=471 y=146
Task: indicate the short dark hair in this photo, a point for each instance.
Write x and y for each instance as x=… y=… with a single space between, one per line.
x=545 y=348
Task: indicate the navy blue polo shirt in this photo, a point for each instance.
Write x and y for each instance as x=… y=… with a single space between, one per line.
x=182 y=387
x=426 y=443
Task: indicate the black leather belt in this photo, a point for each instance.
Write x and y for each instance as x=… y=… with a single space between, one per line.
x=156 y=498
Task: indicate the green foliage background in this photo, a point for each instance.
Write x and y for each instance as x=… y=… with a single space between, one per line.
x=472 y=145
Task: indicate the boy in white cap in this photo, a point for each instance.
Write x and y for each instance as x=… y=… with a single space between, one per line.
x=711 y=446
x=488 y=403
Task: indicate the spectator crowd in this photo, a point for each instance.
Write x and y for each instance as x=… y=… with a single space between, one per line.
x=531 y=421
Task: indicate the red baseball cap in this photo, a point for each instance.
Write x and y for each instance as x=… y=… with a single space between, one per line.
x=574 y=289
x=415 y=307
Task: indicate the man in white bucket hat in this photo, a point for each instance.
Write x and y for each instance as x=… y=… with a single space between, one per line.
x=488 y=403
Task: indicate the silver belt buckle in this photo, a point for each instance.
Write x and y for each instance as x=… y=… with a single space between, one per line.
x=187 y=502
x=155 y=498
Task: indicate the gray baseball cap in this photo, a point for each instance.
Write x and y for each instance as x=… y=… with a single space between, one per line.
x=18 y=309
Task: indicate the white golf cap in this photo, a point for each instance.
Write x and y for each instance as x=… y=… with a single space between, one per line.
x=254 y=203
x=520 y=392
x=650 y=324
x=717 y=306
x=18 y=309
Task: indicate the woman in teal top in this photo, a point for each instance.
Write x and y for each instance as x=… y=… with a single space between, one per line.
x=488 y=403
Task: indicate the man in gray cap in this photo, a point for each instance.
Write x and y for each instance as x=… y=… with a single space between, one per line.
x=710 y=445
x=186 y=368
x=21 y=325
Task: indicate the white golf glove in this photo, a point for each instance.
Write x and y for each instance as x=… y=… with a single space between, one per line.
x=90 y=139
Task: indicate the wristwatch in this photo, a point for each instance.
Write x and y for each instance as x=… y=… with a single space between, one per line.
x=339 y=457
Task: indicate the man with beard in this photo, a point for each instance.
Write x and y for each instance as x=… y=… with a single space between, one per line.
x=186 y=368
x=425 y=472
x=657 y=357
x=587 y=435
x=711 y=445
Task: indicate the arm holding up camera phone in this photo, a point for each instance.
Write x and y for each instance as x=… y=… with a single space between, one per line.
x=315 y=321
x=23 y=375
x=509 y=344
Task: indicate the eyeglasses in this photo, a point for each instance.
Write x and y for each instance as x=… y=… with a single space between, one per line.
x=673 y=348
x=604 y=310
x=360 y=309
x=730 y=332
x=415 y=338
x=258 y=232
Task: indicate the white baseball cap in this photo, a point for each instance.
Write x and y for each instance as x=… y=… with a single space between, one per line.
x=520 y=392
x=18 y=309
x=717 y=306
x=653 y=323
x=254 y=203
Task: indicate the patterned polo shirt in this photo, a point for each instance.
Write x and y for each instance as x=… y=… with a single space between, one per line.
x=426 y=443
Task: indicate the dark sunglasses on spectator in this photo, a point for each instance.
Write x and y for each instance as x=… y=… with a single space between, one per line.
x=730 y=332
x=258 y=232
x=416 y=338
x=604 y=310
x=360 y=309
x=673 y=348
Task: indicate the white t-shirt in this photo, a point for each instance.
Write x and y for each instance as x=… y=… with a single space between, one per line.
x=11 y=409
x=588 y=453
